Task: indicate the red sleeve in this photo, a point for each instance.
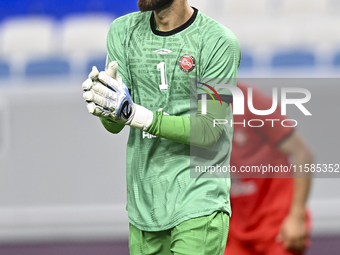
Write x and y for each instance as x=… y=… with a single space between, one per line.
x=272 y=129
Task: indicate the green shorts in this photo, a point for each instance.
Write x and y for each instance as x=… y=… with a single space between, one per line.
x=199 y=236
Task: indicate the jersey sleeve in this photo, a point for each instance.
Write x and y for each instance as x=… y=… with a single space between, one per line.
x=111 y=126
x=115 y=44
x=220 y=60
x=273 y=129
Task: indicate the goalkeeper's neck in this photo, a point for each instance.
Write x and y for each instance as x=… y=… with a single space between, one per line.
x=173 y=16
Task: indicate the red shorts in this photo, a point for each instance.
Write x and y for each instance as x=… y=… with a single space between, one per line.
x=239 y=247
x=236 y=247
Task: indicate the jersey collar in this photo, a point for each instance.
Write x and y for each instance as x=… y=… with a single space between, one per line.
x=174 y=31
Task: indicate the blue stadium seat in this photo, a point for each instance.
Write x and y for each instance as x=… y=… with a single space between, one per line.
x=4 y=69
x=98 y=62
x=294 y=58
x=247 y=61
x=62 y=8
x=336 y=60
x=47 y=67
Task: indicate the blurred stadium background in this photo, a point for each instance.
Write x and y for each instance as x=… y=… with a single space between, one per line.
x=62 y=177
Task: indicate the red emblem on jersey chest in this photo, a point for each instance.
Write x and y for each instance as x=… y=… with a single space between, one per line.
x=187 y=63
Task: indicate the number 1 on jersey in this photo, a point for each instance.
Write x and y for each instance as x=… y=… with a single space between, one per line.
x=162 y=68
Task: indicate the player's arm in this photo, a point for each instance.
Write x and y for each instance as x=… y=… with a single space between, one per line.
x=294 y=229
x=108 y=98
x=197 y=131
x=295 y=147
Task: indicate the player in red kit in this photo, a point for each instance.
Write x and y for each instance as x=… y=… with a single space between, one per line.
x=269 y=210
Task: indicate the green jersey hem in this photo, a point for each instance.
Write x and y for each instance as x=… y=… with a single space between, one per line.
x=178 y=221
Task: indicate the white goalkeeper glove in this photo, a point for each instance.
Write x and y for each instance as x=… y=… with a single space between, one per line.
x=108 y=97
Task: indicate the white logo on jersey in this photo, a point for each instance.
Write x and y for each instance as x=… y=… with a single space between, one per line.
x=163 y=51
x=147 y=135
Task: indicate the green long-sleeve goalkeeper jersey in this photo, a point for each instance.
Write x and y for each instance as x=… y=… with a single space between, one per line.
x=166 y=73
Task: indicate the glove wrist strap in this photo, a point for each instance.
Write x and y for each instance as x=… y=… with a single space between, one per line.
x=140 y=118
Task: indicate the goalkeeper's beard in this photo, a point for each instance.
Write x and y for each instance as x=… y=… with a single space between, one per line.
x=151 y=5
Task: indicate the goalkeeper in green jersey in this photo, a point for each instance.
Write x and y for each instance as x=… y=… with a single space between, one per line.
x=170 y=58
